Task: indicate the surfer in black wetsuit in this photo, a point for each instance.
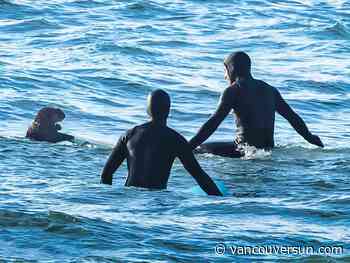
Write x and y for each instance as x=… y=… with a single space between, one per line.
x=45 y=126
x=150 y=150
x=254 y=104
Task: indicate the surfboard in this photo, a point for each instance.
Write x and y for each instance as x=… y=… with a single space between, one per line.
x=197 y=190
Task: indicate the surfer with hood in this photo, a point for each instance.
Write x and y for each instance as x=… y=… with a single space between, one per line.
x=254 y=103
x=150 y=150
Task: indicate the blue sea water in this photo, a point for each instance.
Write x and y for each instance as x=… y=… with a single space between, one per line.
x=98 y=60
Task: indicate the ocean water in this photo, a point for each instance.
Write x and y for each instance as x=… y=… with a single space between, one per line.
x=98 y=60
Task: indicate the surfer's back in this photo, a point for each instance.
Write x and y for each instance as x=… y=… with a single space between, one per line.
x=255 y=113
x=151 y=150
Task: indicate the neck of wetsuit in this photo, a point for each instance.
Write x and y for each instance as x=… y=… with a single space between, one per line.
x=244 y=78
x=160 y=122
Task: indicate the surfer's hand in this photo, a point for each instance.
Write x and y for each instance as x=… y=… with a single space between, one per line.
x=314 y=139
x=58 y=127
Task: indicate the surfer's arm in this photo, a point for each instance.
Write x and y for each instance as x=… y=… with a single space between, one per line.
x=190 y=163
x=114 y=161
x=295 y=120
x=214 y=121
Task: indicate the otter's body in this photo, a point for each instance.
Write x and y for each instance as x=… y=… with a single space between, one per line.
x=45 y=127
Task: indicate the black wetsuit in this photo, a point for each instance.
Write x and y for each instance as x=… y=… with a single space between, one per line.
x=44 y=129
x=150 y=150
x=254 y=104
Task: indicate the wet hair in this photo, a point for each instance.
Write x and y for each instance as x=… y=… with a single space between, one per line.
x=158 y=104
x=240 y=64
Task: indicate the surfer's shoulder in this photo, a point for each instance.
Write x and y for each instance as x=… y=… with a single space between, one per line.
x=228 y=96
x=128 y=134
x=264 y=84
x=136 y=130
x=230 y=90
x=176 y=136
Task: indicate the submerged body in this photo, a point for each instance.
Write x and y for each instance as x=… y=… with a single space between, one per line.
x=45 y=127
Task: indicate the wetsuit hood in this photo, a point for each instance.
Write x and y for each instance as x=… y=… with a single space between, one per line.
x=238 y=64
x=158 y=105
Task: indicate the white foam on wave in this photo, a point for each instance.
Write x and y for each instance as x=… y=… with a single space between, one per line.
x=250 y=152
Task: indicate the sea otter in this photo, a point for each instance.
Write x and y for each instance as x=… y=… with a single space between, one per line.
x=45 y=127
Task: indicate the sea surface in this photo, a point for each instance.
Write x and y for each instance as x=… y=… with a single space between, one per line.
x=98 y=59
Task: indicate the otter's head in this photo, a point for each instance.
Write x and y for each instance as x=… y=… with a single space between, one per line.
x=58 y=115
x=48 y=117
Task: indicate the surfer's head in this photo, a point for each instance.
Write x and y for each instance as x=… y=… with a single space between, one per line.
x=237 y=64
x=158 y=105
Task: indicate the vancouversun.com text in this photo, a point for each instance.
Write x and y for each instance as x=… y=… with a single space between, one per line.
x=222 y=249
